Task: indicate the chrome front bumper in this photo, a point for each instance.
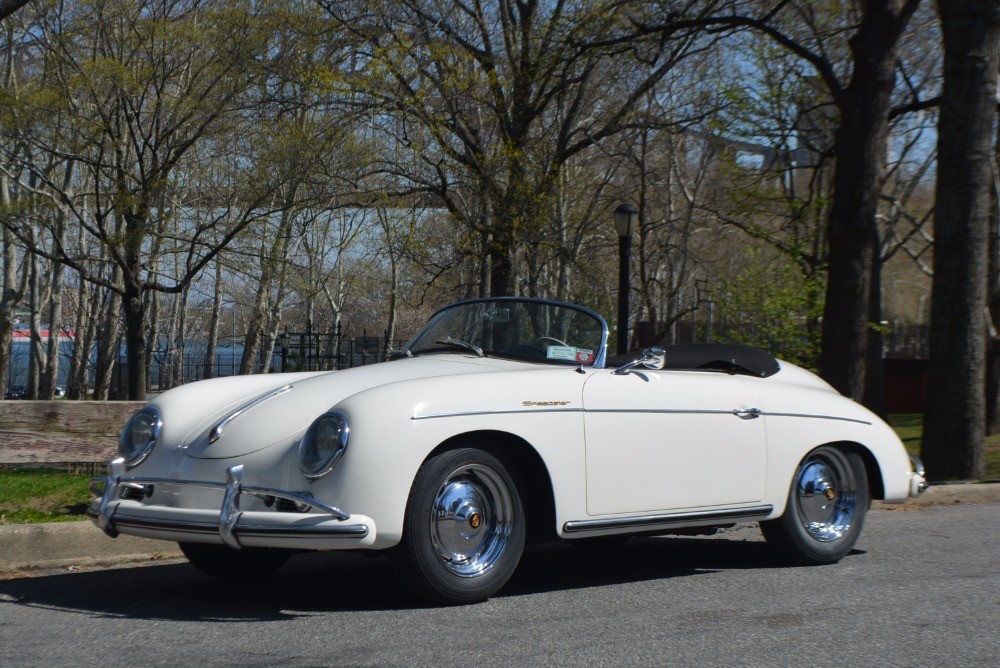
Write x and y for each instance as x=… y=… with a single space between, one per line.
x=918 y=479
x=230 y=526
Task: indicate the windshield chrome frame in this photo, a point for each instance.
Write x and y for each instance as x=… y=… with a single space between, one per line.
x=601 y=357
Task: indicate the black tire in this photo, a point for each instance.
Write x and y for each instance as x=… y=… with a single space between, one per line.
x=826 y=508
x=224 y=563
x=464 y=528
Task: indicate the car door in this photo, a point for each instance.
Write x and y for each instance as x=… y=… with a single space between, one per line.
x=663 y=440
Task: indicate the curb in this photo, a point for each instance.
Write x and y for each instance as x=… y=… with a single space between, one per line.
x=38 y=547
x=940 y=495
x=27 y=547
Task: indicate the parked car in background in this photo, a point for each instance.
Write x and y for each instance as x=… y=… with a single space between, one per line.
x=21 y=391
x=16 y=392
x=499 y=424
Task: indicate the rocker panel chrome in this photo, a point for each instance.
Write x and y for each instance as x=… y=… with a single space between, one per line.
x=669 y=520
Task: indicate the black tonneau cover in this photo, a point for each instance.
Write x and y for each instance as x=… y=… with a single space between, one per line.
x=713 y=357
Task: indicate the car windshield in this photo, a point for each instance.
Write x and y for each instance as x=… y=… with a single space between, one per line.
x=520 y=329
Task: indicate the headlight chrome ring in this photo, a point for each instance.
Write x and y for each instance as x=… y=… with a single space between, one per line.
x=324 y=444
x=140 y=435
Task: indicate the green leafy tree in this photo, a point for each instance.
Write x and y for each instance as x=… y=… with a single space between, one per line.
x=769 y=304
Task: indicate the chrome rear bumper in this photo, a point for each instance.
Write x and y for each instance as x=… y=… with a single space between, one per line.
x=230 y=525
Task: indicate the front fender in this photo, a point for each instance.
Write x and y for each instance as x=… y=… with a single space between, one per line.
x=395 y=428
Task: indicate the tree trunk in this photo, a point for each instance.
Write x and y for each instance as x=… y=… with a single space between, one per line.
x=213 y=326
x=86 y=331
x=993 y=357
x=51 y=377
x=168 y=374
x=108 y=339
x=36 y=352
x=12 y=291
x=258 y=314
x=152 y=302
x=135 y=340
x=874 y=398
x=852 y=232
x=501 y=264
x=954 y=423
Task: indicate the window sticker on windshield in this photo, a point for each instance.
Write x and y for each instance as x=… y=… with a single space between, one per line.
x=567 y=353
x=584 y=356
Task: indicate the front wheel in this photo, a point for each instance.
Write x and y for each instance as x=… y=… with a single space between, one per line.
x=234 y=565
x=464 y=528
x=826 y=508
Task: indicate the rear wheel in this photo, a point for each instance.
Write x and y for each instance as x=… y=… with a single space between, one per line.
x=234 y=565
x=464 y=528
x=826 y=508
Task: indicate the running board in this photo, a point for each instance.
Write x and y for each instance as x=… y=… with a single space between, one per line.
x=671 y=520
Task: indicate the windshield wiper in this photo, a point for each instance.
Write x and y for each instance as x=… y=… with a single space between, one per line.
x=449 y=341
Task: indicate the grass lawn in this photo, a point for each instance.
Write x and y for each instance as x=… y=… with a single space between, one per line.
x=910 y=427
x=35 y=495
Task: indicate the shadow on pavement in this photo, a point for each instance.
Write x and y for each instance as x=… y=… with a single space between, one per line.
x=319 y=583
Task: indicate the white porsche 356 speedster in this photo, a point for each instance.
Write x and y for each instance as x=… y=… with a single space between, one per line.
x=501 y=422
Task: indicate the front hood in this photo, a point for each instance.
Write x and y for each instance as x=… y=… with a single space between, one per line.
x=285 y=415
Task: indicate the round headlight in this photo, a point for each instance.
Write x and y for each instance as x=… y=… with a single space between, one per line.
x=323 y=445
x=139 y=436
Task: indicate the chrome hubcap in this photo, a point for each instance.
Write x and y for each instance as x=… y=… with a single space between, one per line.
x=827 y=502
x=471 y=520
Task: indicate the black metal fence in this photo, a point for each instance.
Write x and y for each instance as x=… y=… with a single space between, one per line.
x=313 y=351
x=299 y=351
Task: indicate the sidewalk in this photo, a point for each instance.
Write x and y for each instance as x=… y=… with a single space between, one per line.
x=28 y=547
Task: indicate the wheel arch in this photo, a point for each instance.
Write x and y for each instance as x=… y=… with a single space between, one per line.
x=876 y=485
x=539 y=498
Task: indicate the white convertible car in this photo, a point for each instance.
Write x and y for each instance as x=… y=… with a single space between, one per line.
x=500 y=423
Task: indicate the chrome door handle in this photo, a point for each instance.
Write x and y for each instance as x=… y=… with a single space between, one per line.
x=747 y=413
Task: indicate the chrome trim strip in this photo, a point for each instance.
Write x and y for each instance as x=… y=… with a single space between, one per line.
x=667 y=520
x=256 y=530
x=671 y=411
x=815 y=417
x=187 y=526
x=217 y=430
x=745 y=413
x=501 y=412
x=516 y=411
x=263 y=531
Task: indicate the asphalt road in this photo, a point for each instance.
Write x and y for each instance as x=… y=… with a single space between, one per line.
x=922 y=589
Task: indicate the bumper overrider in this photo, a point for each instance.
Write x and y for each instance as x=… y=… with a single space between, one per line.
x=119 y=509
x=918 y=477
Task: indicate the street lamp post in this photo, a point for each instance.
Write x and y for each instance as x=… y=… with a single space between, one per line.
x=626 y=218
x=283 y=340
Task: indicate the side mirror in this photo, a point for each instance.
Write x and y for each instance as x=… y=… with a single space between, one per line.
x=651 y=358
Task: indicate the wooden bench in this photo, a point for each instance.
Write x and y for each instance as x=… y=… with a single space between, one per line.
x=62 y=432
